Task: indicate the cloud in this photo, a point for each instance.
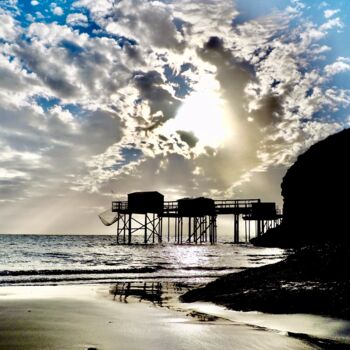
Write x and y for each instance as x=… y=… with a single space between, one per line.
x=149 y=23
x=330 y=13
x=8 y=26
x=94 y=104
x=188 y=137
x=77 y=19
x=332 y=23
x=341 y=65
x=161 y=102
x=56 y=10
x=249 y=67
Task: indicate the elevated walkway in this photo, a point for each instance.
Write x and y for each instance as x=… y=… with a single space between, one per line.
x=199 y=214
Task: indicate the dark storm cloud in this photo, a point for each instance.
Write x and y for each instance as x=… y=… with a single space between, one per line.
x=188 y=137
x=269 y=110
x=151 y=88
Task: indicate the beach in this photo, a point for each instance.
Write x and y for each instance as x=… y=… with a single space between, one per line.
x=66 y=292
x=89 y=317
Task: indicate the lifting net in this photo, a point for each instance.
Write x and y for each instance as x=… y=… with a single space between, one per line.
x=108 y=217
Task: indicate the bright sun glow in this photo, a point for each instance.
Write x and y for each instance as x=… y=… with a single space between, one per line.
x=202 y=114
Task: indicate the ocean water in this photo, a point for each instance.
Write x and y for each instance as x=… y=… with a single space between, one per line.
x=158 y=274
x=48 y=260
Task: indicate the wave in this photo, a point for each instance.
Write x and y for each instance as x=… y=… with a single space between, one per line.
x=131 y=270
x=46 y=272
x=211 y=268
x=54 y=280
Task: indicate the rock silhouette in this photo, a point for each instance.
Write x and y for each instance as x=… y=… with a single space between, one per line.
x=316 y=193
x=312 y=279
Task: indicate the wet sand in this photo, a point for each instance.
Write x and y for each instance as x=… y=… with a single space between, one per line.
x=87 y=317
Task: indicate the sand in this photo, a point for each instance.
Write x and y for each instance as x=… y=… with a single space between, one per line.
x=87 y=317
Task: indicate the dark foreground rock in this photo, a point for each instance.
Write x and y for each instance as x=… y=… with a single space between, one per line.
x=316 y=192
x=314 y=279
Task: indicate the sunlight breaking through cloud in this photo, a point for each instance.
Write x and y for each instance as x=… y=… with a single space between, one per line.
x=213 y=98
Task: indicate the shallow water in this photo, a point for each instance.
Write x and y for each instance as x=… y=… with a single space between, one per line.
x=78 y=317
x=166 y=294
x=158 y=274
x=38 y=259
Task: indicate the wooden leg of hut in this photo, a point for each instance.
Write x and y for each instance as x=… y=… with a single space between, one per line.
x=129 y=230
x=145 y=235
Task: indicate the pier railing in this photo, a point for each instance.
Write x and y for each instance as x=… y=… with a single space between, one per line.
x=221 y=206
x=201 y=225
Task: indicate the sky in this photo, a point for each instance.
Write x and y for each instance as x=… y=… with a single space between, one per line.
x=99 y=98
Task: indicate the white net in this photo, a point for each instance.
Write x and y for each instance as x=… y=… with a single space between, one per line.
x=108 y=217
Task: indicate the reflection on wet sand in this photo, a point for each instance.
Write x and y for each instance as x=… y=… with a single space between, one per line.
x=157 y=293
x=167 y=294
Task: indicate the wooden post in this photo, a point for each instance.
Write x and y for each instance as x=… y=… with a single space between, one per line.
x=125 y=219
x=160 y=229
x=129 y=229
x=259 y=227
x=176 y=220
x=145 y=236
x=118 y=229
x=249 y=230
x=236 y=228
x=181 y=229
x=168 y=228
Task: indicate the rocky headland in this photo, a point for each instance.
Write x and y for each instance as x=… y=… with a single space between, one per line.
x=316 y=195
x=315 y=277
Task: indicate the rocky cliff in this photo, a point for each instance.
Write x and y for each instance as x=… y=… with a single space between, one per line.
x=315 y=278
x=316 y=193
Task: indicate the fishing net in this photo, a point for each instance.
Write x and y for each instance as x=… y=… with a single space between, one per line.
x=108 y=217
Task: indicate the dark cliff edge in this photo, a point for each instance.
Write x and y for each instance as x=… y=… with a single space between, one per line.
x=316 y=196
x=315 y=277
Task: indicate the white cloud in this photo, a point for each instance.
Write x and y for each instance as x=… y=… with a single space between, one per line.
x=84 y=113
x=149 y=23
x=282 y=64
x=341 y=65
x=34 y=3
x=330 y=13
x=77 y=19
x=332 y=23
x=8 y=27
x=6 y=174
x=30 y=17
x=58 y=11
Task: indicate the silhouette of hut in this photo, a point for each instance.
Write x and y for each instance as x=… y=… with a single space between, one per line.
x=145 y=202
x=195 y=207
x=264 y=211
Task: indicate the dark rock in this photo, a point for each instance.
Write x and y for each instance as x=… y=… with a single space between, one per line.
x=315 y=278
x=312 y=280
x=315 y=190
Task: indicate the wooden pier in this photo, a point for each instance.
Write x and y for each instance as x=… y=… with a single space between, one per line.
x=187 y=220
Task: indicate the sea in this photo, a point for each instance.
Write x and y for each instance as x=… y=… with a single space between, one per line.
x=157 y=274
x=86 y=259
